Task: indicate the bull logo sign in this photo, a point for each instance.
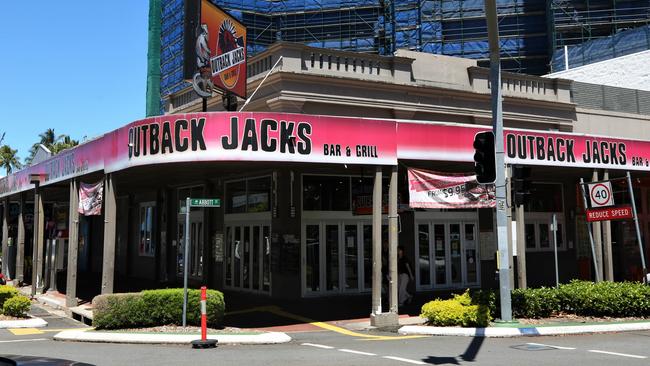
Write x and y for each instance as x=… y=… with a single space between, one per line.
x=215 y=50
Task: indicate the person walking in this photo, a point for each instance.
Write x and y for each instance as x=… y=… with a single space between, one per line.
x=404 y=275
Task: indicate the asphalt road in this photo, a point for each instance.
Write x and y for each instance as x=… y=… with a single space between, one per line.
x=331 y=348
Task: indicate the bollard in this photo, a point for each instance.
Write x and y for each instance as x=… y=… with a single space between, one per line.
x=204 y=342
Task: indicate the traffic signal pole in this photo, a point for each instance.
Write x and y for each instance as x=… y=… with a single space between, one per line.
x=497 y=119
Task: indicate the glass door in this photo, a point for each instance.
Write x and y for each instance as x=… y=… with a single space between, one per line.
x=248 y=257
x=195 y=253
x=447 y=254
x=337 y=256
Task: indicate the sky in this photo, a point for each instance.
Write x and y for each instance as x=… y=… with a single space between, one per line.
x=79 y=67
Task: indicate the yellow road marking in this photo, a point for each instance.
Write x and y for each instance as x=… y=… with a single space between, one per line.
x=334 y=328
x=31 y=331
x=25 y=331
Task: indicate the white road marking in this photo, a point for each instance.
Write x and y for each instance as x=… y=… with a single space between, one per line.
x=404 y=360
x=550 y=345
x=317 y=345
x=617 y=354
x=357 y=352
x=25 y=340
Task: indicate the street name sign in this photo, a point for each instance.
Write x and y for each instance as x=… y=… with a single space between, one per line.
x=205 y=202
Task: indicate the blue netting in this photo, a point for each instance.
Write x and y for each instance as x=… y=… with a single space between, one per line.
x=620 y=44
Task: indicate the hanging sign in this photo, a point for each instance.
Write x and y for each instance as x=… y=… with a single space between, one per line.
x=428 y=189
x=600 y=194
x=91 y=197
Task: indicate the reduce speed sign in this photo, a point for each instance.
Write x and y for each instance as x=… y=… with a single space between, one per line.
x=600 y=194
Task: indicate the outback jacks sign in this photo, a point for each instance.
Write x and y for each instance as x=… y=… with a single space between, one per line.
x=214 y=49
x=257 y=137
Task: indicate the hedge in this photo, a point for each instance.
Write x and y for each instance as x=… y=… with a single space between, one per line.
x=7 y=292
x=584 y=298
x=17 y=306
x=460 y=310
x=154 y=308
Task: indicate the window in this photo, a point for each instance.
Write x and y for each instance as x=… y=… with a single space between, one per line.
x=325 y=193
x=539 y=232
x=146 y=240
x=248 y=195
x=545 y=197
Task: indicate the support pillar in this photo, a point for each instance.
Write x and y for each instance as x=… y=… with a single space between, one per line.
x=376 y=244
x=110 y=215
x=377 y=318
x=5 y=237
x=392 y=241
x=20 y=248
x=598 y=241
x=37 y=247
x=73 y=246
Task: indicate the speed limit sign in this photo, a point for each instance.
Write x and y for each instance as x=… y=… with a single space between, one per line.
x=600 y=194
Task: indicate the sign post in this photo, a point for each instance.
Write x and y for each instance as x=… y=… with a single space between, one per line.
x=636 y=224
x=591 y=236
x=189 y=203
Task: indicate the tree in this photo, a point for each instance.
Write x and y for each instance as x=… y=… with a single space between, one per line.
x=47 y=138
x=9 y=159
x=63 y=142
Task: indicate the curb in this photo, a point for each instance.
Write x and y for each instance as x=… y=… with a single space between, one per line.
x=141 y=338
x=27 y=323
x=522 y=332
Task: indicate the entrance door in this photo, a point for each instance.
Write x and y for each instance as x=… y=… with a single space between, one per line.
x=195 y=257
x=337 y=256
x=248 y=256
x=447 y=254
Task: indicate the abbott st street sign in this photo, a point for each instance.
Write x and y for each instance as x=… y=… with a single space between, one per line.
x=205 y=202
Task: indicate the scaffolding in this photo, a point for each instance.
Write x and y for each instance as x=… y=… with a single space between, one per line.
x=596 y=30
x=449 y=27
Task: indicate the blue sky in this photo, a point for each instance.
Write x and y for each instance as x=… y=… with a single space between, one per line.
x=76 y=66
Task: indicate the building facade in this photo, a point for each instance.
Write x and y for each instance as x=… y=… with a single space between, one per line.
x=296 y=174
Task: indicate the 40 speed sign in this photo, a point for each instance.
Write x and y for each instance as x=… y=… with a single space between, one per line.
x=600 y=194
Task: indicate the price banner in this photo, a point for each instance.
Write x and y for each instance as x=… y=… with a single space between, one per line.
x=428 y=189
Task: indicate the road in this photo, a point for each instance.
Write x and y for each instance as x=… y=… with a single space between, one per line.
x=332 y=348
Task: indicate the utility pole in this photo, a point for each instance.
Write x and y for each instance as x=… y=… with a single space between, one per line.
x=497 y=120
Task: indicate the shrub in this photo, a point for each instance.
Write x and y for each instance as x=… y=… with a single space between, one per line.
x=605 y=298
x=6 y=293
x=456 y=311
x=534 y=303
x=17 y=306
x=155 y=307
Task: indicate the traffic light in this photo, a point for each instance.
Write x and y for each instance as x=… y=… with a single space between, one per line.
x=484 y=160
x=520 y=184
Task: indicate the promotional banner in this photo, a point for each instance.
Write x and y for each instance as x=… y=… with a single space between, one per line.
x=428 y=189
x=215 y=49
x=91 y=197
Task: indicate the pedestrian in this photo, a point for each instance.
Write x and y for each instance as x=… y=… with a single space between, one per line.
x=404 y=276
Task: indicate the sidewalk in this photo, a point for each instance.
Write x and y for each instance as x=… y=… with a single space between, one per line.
x=519 y=330
x=156 y=338
x=83 y=312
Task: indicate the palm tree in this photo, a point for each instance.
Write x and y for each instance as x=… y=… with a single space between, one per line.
x=63 y=142
x=8 y=159
x=47 y=138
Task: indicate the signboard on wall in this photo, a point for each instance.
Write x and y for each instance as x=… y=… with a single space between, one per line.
x=428 y=189
x=214 y=49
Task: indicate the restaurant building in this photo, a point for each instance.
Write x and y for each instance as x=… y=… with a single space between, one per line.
x=297 y=173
